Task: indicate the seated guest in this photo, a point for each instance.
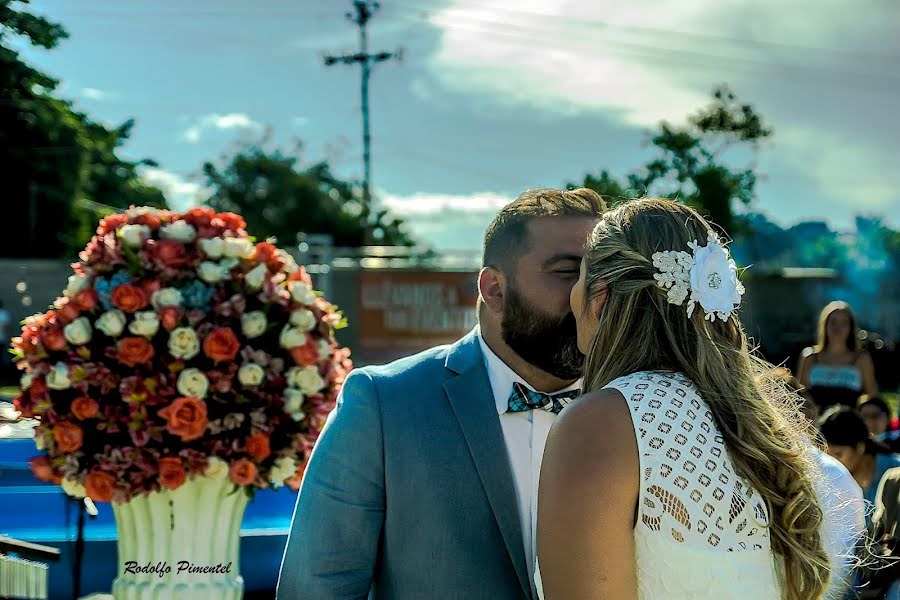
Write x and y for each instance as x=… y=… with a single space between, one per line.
x=836 y=370
x=848 y=440
x=880 y=577
x=877 y=415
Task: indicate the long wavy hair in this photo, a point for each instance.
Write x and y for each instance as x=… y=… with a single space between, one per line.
x=640 y=330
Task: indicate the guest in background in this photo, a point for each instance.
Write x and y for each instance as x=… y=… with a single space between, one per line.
x=848 y=440
x=880 y=577
x=877 y=415
x=836 y=370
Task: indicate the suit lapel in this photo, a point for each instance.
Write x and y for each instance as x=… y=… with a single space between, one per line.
x=471 y=397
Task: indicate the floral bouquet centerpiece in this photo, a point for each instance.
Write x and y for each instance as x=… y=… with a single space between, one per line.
x=179 y=349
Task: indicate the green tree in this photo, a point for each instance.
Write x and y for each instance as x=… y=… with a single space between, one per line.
x=691 y=165
x=279 y=198
x=58 y=164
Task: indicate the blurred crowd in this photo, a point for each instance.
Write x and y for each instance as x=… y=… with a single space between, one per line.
x=856 y=427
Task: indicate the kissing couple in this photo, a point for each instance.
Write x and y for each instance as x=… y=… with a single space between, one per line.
x=604 y=432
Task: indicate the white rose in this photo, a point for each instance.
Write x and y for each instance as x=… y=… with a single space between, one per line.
x=211 y=272
x=256 y=276
x=304 y=320
x=58 y=377
x=166 y=297
x=229 y=263
x=25 y=381
x=307 y=380
x=284 y=468
x=714 y=282
x=213 y=247
x=184 y=343
x=146 y=323
x=112 y=322
x=238 y=247
x=79 y=331
x=324 y=349
x=179 y=231
x=134 y=235
x=216 y=468
x=291 y=337
x=251 y=374
x=253 y=324
x=77 y=283
x=73 y=488
x=193 y=383
x=293 y=401
x=290 y=265
x=137 y=211
x=301 y=292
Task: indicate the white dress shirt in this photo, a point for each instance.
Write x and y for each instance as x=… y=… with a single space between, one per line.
x=525 y=434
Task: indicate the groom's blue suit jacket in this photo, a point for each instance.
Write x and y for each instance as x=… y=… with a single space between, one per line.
x=408 y=493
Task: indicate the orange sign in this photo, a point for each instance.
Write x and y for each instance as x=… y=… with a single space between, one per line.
x=415 y=310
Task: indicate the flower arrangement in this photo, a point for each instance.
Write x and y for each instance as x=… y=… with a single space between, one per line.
x=179 y=348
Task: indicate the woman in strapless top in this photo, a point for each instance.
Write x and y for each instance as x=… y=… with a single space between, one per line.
x=836 y=370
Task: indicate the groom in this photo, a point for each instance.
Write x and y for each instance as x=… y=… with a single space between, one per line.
x=424 y=482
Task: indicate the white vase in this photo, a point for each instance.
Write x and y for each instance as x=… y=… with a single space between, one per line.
x=168 y=538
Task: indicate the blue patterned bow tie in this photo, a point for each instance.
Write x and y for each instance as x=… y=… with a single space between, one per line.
x=523 y=399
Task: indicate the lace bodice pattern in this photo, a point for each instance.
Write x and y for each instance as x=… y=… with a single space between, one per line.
x=701 y=530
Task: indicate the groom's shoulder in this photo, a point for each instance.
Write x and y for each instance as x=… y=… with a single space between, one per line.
x=427 y=364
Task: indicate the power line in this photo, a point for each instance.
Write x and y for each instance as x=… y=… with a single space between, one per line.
x=365 y=10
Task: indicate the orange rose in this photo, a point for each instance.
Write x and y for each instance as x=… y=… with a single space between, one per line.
x=186 y=418
x=232 y=221
x=306 y=355
x=171 y=472
x=221 y=345
x=133 y=351
x=68 y=436
x=129 y=298
x=242 y=472
x=41 y=468
x=100 y=486
x=53 y=338
x=169 y=317
x=67 y=311
x=84 y=408
x=258 y=446
x=295 y=481
x=111 y=223
x=200 y=216
x=86 y=299
x=169 y=253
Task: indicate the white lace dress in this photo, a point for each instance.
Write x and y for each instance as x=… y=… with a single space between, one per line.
x=701 y=530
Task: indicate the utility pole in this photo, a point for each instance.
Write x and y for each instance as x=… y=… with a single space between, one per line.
x=364 y=11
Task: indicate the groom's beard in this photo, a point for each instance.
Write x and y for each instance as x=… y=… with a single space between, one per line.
x=546 y=341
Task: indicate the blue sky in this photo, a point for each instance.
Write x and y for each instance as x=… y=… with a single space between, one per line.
x=496 y=96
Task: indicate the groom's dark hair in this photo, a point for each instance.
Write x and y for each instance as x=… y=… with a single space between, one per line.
x=506 y=237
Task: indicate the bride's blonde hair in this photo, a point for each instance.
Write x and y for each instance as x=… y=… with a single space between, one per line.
x=641 y=331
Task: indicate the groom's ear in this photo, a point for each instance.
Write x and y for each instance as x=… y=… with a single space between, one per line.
x=491 y=285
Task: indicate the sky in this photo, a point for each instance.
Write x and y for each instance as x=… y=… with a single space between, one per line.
x=493 y=97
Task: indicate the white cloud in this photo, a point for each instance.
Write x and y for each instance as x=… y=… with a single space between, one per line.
x=430 y=204
x=219 y=122
x=179 y=191
x=93 y=93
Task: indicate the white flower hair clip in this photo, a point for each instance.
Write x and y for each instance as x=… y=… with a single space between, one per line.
x=707 y=276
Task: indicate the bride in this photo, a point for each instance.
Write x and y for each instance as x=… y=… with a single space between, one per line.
x=683 y=472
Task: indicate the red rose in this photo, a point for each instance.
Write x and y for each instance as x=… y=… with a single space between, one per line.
x=86 y=299
x=38 y=387
x=68 y=436
x=133 y=351
x=84 y=407
x=221 y=344
x=169 y=253
x=186 y=418
x=199 y=217
x=150 y=286
x=301 y=275
x=232 y=221
x=111 y=223
x=242 y=472
x=66 y=310
x=100 y=486
x=258 y=446
x=129 y=298
x=151 y=221
x=171 y=472
x=41 y=468
x=53 y=339
x=169 y=316
x=306 y=355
